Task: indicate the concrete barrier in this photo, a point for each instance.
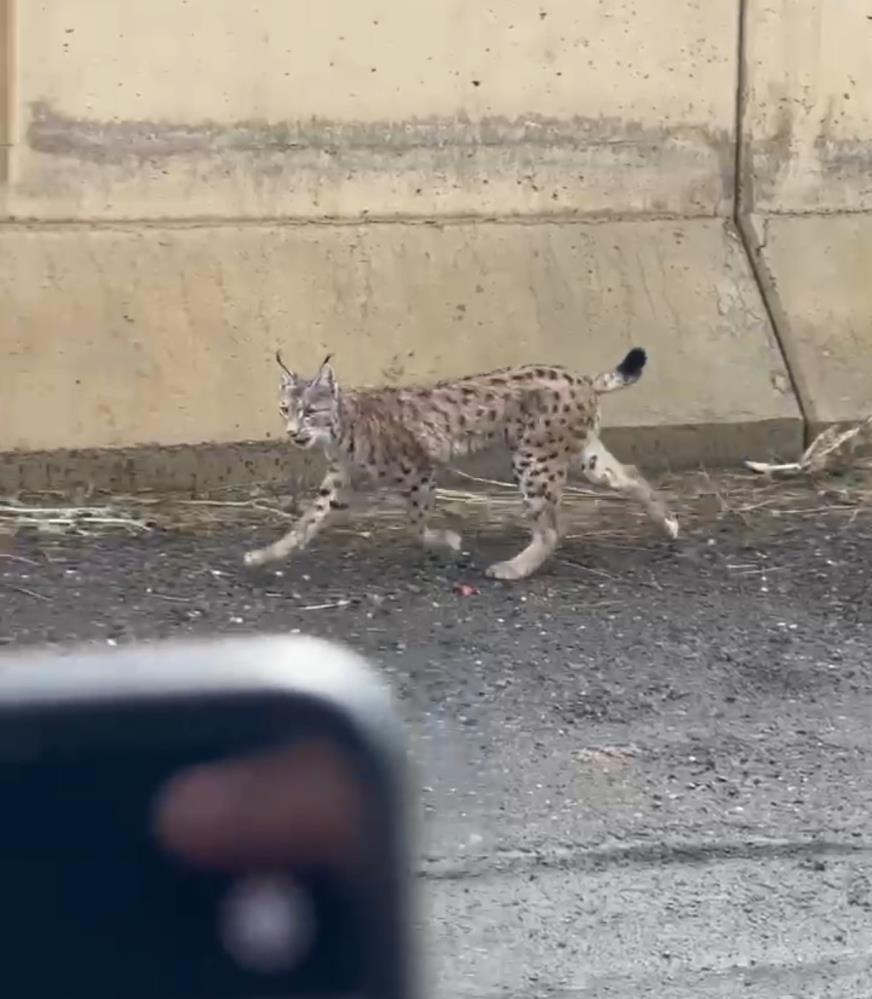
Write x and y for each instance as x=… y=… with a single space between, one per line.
x=807 y=193
x=424 y=189
x=167 y=334
x=372 y=108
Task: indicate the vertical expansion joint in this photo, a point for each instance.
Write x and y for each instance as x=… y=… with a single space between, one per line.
x=743 y=205
x=7 y=69
x=743 y=174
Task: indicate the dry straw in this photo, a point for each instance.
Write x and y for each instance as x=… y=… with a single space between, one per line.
x=832 y=476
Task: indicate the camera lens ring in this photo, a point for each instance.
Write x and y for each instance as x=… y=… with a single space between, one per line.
x=266 y=923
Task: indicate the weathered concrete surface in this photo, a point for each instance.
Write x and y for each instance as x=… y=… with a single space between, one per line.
x=207 y=108
x=444 y=112
x=6 y=71
x=806 y=181
x=807 y=121
x=816 y=271
x=119 y=337
x=646 y=772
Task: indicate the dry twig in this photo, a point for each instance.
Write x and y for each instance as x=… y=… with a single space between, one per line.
x=19 y=558
x=81 y=518
x=23 y=589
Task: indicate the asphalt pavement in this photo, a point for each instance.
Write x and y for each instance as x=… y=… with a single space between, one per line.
x=645 y=772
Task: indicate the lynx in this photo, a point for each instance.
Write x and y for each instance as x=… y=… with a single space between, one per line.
x=548 y=417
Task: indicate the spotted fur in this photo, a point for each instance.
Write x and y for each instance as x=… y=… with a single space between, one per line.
x=548 y=417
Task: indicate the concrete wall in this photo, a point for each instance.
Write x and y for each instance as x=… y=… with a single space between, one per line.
x=137 y=335
x=808 y=118
x=6 y=76
x=807 y=191
x=348 y=108
x=424 y=189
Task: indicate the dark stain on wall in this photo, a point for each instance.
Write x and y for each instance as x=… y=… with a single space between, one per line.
x=119 y=142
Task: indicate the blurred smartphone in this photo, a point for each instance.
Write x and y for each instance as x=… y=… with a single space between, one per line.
x=94 y=906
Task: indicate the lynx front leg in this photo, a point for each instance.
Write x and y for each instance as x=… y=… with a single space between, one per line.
x=310 y=522
x=420 y=493
x=541 y=481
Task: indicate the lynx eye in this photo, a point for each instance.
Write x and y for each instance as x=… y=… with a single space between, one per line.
x=283 y=408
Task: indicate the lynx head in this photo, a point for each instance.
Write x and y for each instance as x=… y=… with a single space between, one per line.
x=309 y=407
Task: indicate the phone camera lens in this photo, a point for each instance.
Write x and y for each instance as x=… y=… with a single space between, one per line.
x=266 y=923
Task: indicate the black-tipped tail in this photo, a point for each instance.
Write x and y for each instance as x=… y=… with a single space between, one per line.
x=626 y=373
x=631 y=367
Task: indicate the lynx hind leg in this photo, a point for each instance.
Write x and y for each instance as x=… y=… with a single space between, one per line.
x=541 y=481
x=419 y=490
x=602 y=468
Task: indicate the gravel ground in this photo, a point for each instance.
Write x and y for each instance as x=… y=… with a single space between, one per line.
x=644 y=772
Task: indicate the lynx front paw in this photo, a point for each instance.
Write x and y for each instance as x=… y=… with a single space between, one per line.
x=442 y=539
x=506 y=570
x=258 y=557
x=453 y=541
x=670 y=526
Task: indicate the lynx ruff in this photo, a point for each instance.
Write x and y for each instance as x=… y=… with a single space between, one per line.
x=548 y=417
